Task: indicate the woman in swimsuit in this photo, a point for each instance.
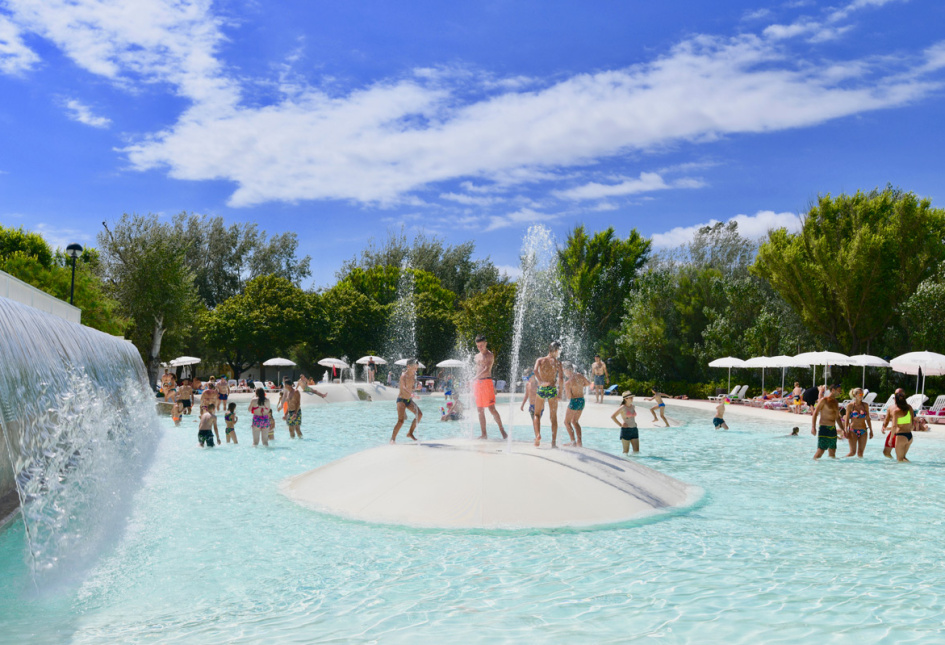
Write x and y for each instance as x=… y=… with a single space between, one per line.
x=858 y=422
x=903 y=420
x=262 y=412
x=629 y=435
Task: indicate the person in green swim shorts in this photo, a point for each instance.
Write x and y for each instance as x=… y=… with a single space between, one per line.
x=828 y=412
x=574 y=386
x=550 y=377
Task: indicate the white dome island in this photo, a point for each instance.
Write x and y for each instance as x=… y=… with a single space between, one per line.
x=464 y=484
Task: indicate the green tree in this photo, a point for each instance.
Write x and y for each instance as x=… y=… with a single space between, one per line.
x=454 y=266
x=855 y=261
x=28 y=257
x=224 y=258
x=920 y=319
x=597 y=272
x=355 y=321
x=266 y=320
x=491 y=313
x=144 y=264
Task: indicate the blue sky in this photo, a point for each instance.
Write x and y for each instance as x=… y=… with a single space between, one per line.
x=473 y=120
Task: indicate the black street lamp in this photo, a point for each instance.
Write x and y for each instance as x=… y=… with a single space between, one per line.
x=74 y=251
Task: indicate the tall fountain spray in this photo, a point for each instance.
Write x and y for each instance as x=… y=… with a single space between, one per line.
x=539 y=308
x=402 y=324
x=78 y=428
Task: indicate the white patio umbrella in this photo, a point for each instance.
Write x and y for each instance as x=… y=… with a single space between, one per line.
x=184 y=360
x=278 y=362
x=364 y=360
x=783 y=362
x=729 y=362
x=930 y=363
x=333 y=362
x=762 y=362
x=823 y=358
x=403 y=361
x=865 y=360
x=451 y=362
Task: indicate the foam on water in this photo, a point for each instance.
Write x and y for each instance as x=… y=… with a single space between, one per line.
x=783 y=549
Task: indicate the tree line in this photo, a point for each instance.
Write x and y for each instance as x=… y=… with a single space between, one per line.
x=865 y=273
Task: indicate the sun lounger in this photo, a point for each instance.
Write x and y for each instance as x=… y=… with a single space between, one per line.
x=719 y=397
x=739 y=396
x=937 y=409
x=916 y=401
x=611 y=390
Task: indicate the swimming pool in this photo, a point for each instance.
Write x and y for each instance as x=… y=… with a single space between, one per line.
x=781 y=549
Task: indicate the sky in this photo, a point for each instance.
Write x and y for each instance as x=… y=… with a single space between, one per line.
x=342 y=121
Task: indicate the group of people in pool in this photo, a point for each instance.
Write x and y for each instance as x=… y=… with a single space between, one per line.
x=547 y=383
x=829 y=422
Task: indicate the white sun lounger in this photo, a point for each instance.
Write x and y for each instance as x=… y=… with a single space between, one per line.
x=719 y=397
x=937 y=409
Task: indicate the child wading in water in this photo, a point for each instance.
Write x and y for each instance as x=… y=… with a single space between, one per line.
x=405 y=402
x=176 y=412
x=230 y=418
x=629 y=435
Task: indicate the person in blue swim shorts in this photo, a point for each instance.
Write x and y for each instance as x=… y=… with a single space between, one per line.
x=574 y=385
x=658 y=397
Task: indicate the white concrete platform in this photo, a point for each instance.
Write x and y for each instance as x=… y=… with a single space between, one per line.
x=337 y=393
x=460 y=483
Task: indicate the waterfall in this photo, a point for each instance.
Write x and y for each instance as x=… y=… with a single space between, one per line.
x=78 y=428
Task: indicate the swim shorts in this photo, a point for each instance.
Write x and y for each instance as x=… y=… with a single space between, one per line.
x=576 y=403
x=629 y=433
x=717 y=421
x=599 y=379
x=484 y=389
x=548 y=392
x=185 y=404
x=531 y=411
x=205 y=437
x=827 y=438
x=223 y=397
x=293 y=417
x=890 y=440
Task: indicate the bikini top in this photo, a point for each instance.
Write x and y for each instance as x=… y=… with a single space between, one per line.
x=906 y=420
x=857 y=415
x=629 y=412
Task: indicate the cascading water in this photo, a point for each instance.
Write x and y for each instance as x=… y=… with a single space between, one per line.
x=402 y=325
x=539 y=310
x=78 y=425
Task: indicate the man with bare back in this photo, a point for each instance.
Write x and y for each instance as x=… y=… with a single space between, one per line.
x=550 y=378
x=293 y=410
x=405 y=401
x=599 y=372
x=483 y=387
x=574 y=386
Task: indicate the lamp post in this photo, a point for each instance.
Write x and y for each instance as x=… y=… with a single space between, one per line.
x=74 y=251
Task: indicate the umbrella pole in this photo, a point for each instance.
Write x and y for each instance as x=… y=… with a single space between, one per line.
x=730 y=379
x=782 y=381
x=864 y=378
x=762 y=380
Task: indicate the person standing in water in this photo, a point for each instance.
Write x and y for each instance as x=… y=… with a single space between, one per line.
x=261 y=411
x=629 y=434
x=890 y=442
x=483 y=387
x=549 y=377
x=208 y=400
x=293 y=410
x=574 y=386
x=797 y=398
x=903 y=423
x=658 y=397
x=828 y=410
x=208 y=422
x=531 y=394
x=230 y=419
x=858 y=422
x=185 y=395
x=719 y=420
x=223 y=393
x=601 y=377
x=405 y=401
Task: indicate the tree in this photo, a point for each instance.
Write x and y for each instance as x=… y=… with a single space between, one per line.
x=925 y=328
x=224 y=258
x=452 y=265
x=491 y=313
x=597 y=272
x=355 y=321
x=855 y=261
x=28 y=257
x=268 y=318
x=144 y=264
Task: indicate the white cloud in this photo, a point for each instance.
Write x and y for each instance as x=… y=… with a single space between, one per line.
x=757 y=14
x=512 y=271
x=519 y=218
x=61 y=237
x=381 y=143
x=751 y=226
x=856 y=5
x=471 y=200
x=645 y=183
x=82 y=113
x=15 y=56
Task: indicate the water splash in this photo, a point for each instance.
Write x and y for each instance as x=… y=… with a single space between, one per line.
x=402 y=324
x=78 y=425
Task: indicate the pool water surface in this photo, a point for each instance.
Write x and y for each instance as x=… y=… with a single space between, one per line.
x=781 y=549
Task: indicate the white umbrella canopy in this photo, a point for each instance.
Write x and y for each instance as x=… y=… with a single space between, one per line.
x=729 y=362
x=403 y=361
x=762 y=362
x=184 y=360
x=823 y=358
x=333 y=362
x=930 y=363
x=451 y=362
x=865 y=360
x=278 y=362
x=784 y=362
x=364 y=360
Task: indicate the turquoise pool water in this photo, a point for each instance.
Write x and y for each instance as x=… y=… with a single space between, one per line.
x=781 y=550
